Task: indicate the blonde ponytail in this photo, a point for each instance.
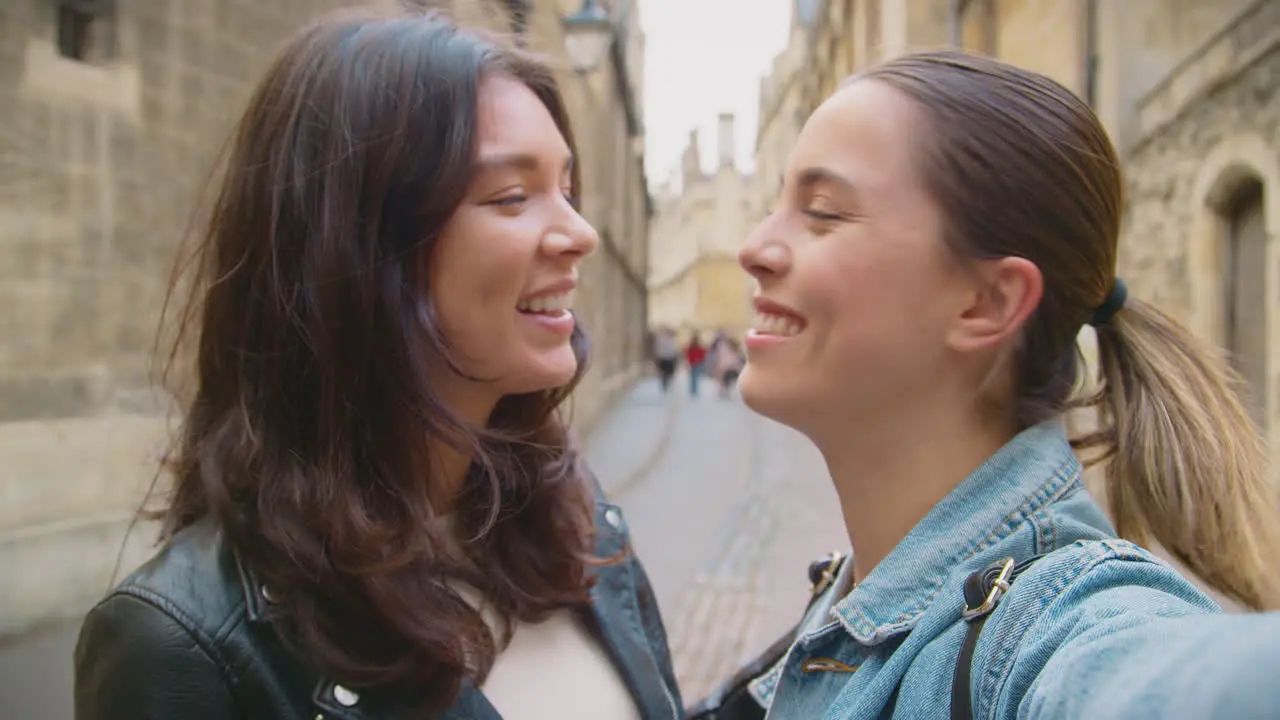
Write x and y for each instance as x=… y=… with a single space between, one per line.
x=1185 y=462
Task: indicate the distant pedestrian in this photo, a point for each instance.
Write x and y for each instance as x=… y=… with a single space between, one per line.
x=726 y=363
x=666 y=356
x=695 y=355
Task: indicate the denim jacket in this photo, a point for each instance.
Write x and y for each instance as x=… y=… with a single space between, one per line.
x=1099 y=628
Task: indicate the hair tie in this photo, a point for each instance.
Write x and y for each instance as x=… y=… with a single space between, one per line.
x=1109 y=307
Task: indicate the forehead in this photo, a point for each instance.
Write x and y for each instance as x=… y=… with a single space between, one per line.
x=863 y=132
x=510 y=117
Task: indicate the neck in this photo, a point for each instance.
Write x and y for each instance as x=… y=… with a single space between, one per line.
x=449 y=465
x=890 y=473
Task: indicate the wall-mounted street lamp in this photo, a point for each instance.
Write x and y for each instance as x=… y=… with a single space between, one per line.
x=587 y=34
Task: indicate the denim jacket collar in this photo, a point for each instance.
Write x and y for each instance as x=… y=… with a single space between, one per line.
x=1034 y=468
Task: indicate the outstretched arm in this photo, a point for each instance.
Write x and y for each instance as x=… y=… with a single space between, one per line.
x=1131 y=639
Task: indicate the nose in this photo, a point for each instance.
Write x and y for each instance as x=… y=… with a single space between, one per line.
x=573 y=238
x=764 y=255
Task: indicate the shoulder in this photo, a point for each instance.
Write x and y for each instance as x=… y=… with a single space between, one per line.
x=155 y=645
x=1090 y=588
x=193 y=579
x=1086 y=571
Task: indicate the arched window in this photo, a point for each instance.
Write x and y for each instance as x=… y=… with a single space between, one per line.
x=1244 y=321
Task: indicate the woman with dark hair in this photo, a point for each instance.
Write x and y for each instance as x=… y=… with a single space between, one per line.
x=376 y=508
x=948 y=224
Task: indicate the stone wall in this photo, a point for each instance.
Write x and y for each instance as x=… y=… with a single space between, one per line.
x=1044 y=36
x=100 y=163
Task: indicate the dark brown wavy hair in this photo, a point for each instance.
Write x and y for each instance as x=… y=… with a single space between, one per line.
x=307 y=433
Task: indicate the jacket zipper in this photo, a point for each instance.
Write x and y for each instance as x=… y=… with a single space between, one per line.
x=666 y=691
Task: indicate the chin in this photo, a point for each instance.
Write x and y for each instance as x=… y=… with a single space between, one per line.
x=764 y=396
x=750 y=388
x=548 y=370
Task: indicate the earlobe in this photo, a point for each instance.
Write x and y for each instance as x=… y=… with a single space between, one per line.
x=1006 y=292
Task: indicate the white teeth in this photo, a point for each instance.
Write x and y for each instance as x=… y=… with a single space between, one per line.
x=782 y=325
x=547 y=303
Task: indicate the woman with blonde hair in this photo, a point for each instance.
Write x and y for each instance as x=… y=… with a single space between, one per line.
x=947 y=226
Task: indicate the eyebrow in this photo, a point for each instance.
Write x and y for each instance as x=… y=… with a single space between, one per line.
x=809 y=177
x=518 y=161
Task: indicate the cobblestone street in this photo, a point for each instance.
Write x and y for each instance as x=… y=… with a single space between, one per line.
x=726 y=509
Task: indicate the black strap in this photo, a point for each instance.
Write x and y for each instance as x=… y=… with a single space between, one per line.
x=983 y=591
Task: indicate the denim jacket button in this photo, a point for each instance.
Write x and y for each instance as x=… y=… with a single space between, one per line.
x=345 y=697
x=614 y=518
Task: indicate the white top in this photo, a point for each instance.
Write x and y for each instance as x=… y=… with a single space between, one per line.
x=555 y=670
x=552 y=670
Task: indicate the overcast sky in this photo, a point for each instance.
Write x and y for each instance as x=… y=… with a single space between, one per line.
x=704 y=57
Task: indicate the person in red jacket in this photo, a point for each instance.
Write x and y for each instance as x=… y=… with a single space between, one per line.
x=696 y=356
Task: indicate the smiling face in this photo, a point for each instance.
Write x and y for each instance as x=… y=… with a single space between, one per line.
x=856 y=286
x=504 y=269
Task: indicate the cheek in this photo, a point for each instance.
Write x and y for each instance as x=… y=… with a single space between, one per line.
x=874 y=303
x=488 y=258
x=474 y=292
x=844 y=289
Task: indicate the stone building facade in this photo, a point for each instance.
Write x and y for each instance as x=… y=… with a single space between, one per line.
x=609 y=127
x=111 y=114
x=849 y=35
x=1202 y=153
x=695 y=281
x=782 y=110
x=1188 y=92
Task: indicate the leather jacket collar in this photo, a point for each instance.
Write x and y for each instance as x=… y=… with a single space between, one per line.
x=622 y=615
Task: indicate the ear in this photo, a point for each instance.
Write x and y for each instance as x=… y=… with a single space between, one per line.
x=1006 y=292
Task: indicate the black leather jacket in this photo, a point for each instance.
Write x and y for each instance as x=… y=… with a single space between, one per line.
x=183 y=638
